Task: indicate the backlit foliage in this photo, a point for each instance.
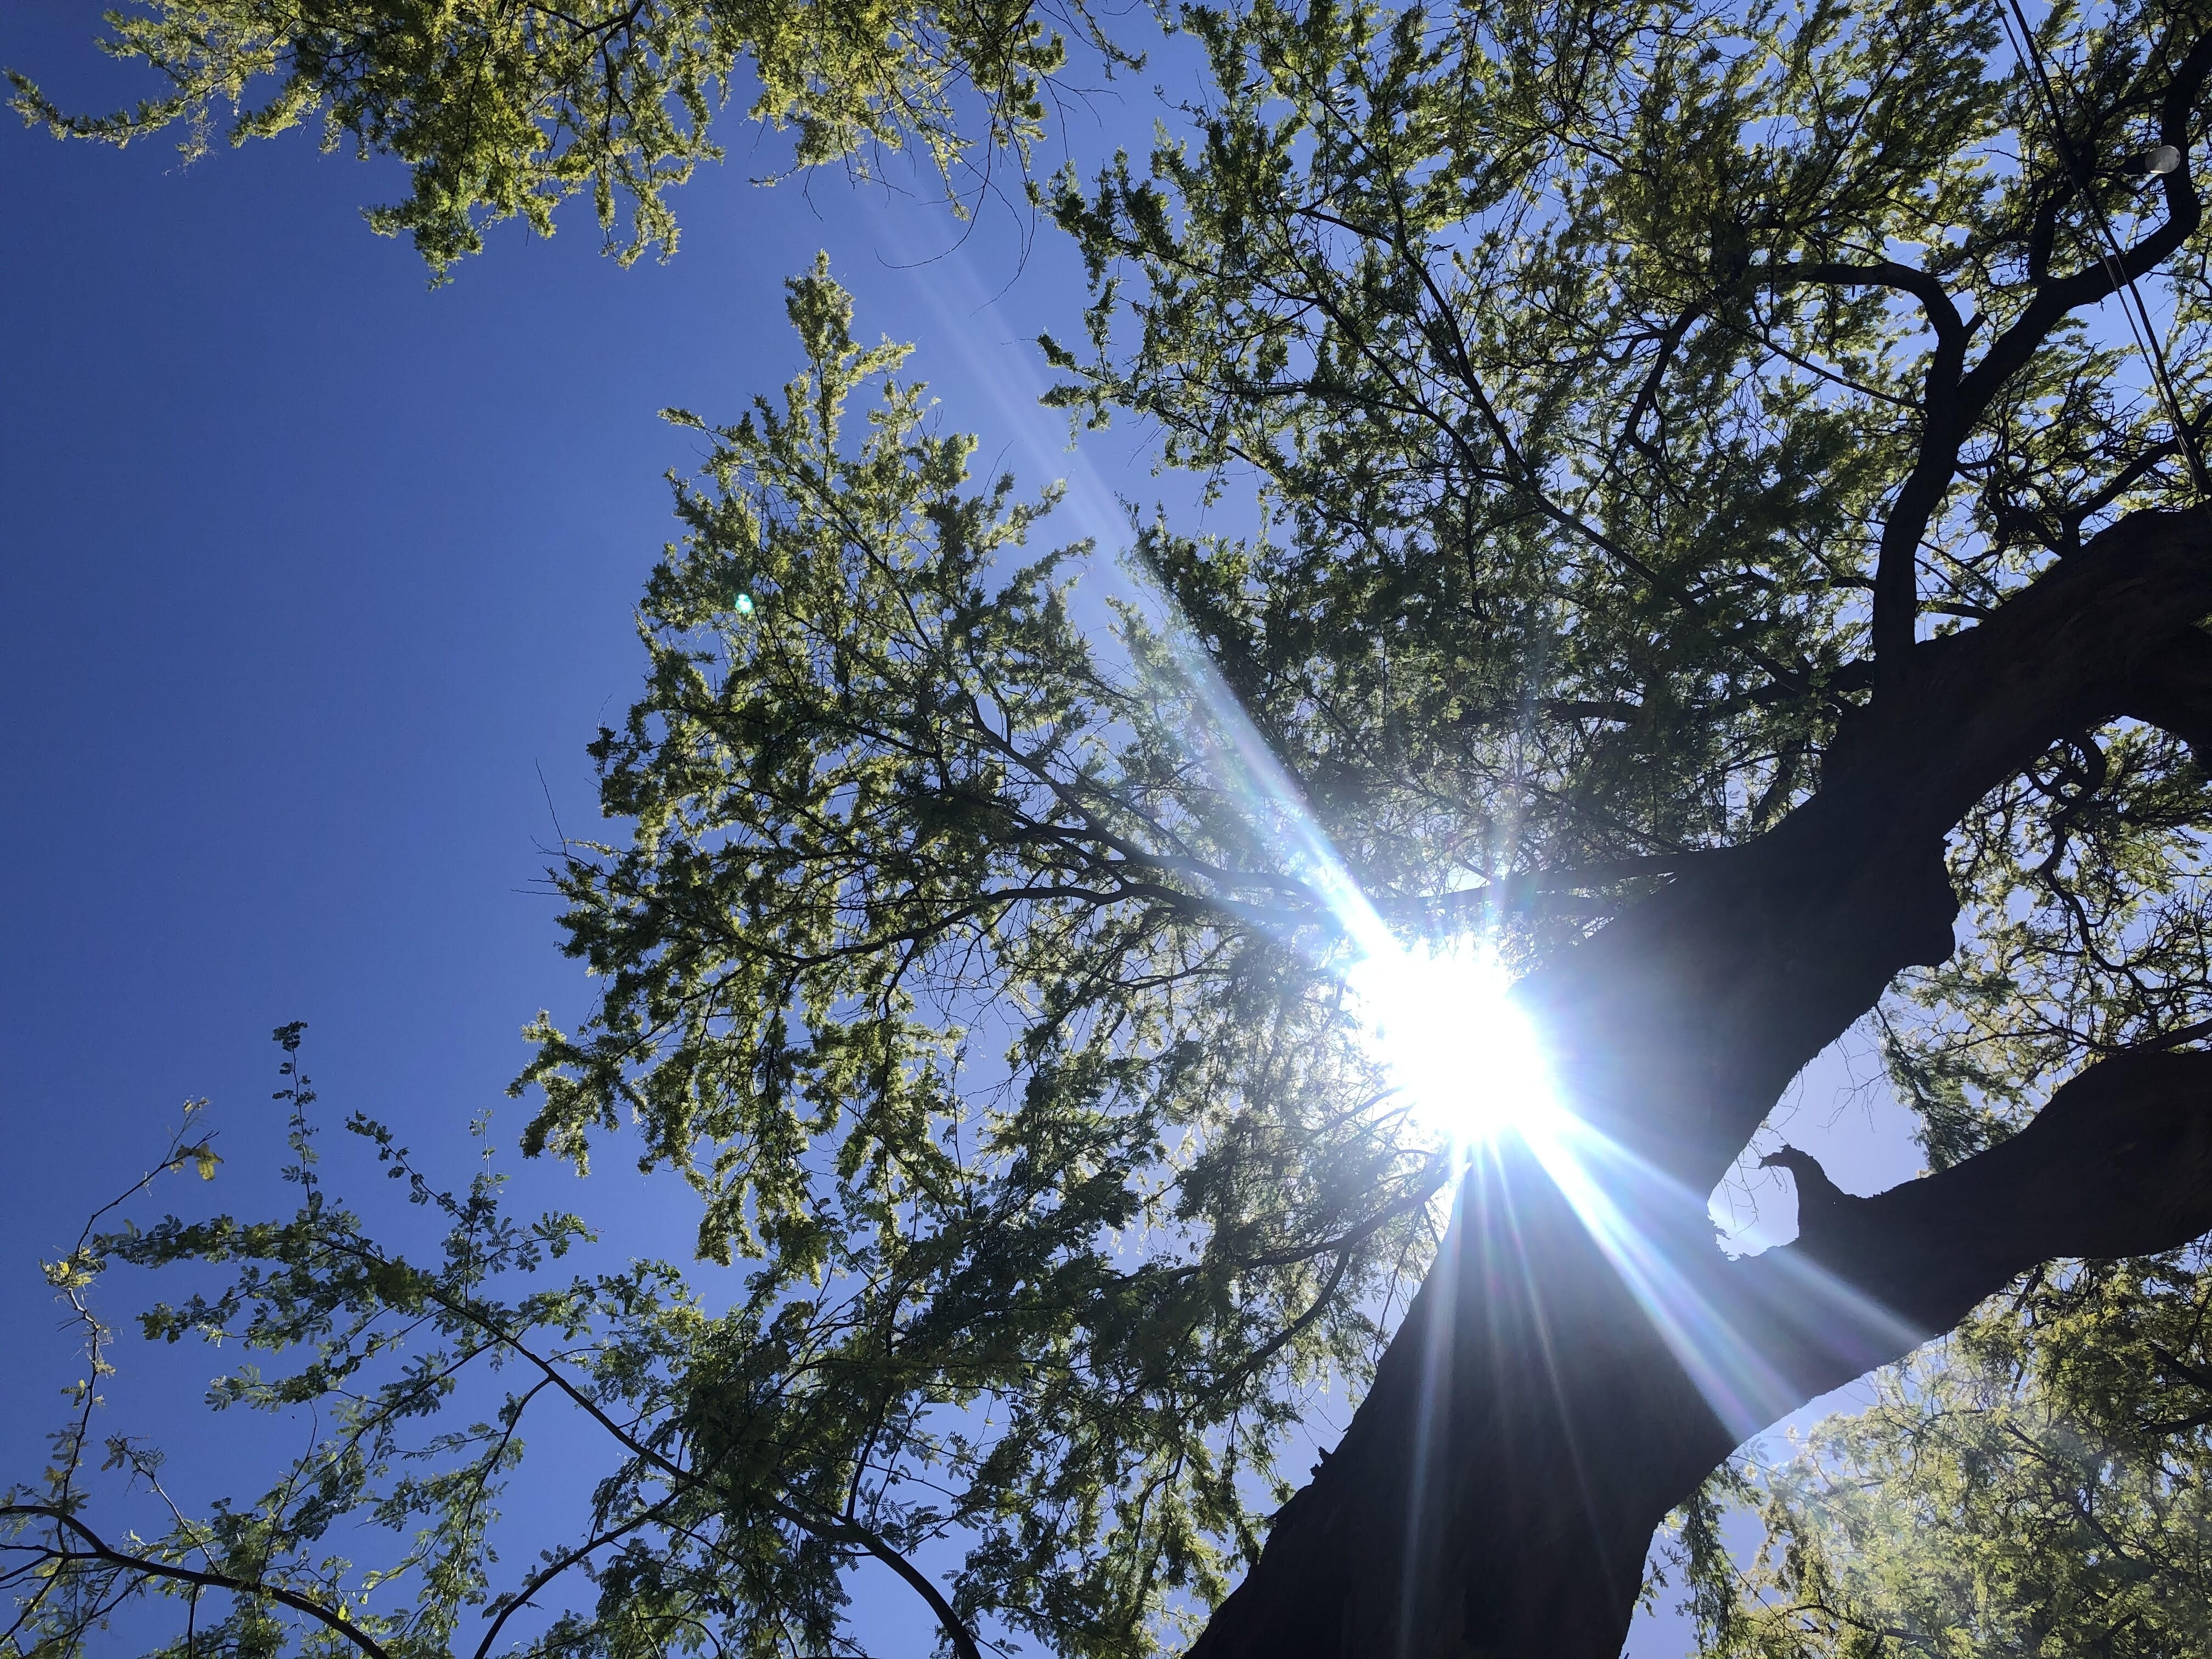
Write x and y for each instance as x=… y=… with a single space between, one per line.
x=1580 y=358
x=2041 y=1483
x=504 y=108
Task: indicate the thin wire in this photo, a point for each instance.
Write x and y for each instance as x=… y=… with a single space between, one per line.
x=2108 y=254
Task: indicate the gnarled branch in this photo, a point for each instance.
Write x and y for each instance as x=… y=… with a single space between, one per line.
x=2119 y=1163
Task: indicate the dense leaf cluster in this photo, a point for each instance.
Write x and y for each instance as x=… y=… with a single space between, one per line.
x=929 y=963
x=1059 y=1201
x=504 y=108
x=1577 y=352
x=2057 y=1446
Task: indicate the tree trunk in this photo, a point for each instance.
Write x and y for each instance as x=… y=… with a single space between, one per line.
x=1583 y=1354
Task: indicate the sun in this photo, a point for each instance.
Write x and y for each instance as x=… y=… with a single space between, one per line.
x=1466 y=1058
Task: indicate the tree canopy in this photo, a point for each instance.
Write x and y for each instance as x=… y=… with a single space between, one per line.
x=2055 y=1441
x=1708 y=526
x=502 y=111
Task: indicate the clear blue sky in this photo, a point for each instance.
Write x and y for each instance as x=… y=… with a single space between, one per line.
x=307 y=576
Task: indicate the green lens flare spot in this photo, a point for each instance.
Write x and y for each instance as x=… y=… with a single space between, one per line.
x=743 y=605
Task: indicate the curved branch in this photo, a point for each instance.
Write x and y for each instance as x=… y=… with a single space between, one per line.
x=509 y=1606
x=849 y=1533
x=1922 y=285
x=1562 y=1381
x=2119 y=1163
x=98 y=1549
x=1678 y=1025
x=2174 y=692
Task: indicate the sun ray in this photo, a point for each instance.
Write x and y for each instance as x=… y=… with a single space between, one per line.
x=1442 y=1017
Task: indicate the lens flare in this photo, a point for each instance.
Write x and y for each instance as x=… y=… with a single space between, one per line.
x=1442 y=1020
x=1461 y=1049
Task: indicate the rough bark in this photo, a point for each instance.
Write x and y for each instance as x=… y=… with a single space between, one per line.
x=1581 y=1358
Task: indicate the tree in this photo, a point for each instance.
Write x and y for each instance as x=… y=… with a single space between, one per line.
x=502 y=111
x=1706 y=543
x=2057 y=1437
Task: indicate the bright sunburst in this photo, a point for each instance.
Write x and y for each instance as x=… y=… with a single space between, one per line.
x=1442 y=1020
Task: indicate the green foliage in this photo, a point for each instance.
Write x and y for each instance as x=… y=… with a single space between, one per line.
x=2087 y=934
x=1051 y=1312
x=383 y=1344
x=1567 y=510
x=1581 y=356
x=1501 y=310
x=895 y=813
x=2040 y=1484
x=503 y=109
x=1578 y=356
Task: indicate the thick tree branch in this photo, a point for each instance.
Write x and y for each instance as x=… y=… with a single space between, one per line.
x=1922 y=285
x=2119 y=1163
x=1678 y=1025
x=1484 y=1457
x=1576 y=1364
x=2174 y=692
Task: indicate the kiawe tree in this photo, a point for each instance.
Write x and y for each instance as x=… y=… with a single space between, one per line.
x=1715 y=545
x=503 y=110
x=2049 y=1440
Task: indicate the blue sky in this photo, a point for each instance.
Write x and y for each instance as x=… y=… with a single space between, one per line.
x=314 y=585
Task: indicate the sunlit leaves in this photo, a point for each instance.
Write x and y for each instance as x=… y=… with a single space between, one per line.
x=1537 y=331
x=2057 y=1446
x=1577 y=356
x=1003 y=1055
x=931 y=963
x=501 y=109
x=2088 y=933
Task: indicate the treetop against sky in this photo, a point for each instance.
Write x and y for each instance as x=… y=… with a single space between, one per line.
x=1669 y=523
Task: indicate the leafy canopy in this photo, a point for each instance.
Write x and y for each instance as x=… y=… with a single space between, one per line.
x=502 y=110
x=1578 y=357
x=1052 y=1221
x=2057 y=1446
x=1584 y=357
